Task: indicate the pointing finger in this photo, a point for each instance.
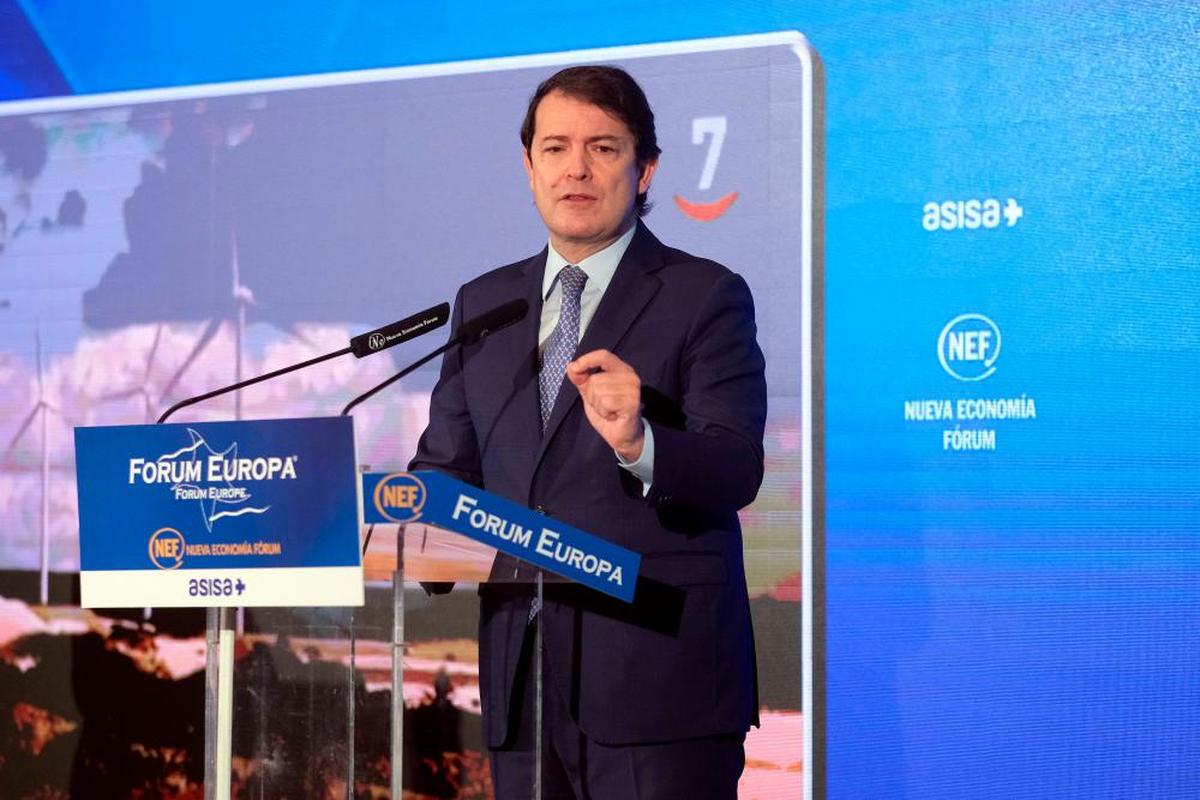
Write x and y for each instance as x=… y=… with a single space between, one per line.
x=598 y=361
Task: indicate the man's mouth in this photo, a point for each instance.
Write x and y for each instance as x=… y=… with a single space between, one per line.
x=577 y=198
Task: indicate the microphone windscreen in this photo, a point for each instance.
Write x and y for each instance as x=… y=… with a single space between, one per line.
x=499 y=317
x=408 y=328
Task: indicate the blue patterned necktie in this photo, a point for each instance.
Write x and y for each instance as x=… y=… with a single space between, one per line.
x=558 y=352
x=564 y=339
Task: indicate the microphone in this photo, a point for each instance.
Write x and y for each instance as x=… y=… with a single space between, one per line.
x=501 y=316
x=470 y=332
x=408 y=328
x=362 y=345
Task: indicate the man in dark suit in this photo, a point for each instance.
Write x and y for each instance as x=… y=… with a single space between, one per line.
x=629 y=403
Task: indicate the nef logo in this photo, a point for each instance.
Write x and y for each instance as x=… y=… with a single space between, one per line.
x=712 y=128
x=400 y=497
x=969 y=346
x=166 y=548
x=376 y=341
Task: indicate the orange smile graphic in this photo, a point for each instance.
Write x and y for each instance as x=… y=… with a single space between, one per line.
x=706 y=212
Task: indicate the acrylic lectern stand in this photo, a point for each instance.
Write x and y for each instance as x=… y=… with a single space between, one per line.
x=338 y=702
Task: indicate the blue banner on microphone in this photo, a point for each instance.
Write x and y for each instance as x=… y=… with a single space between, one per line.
x=247 y=513
x=437 y=499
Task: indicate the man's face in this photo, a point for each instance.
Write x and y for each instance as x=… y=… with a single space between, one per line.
x=584 y=174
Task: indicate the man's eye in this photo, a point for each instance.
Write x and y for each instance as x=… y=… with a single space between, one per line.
x=605 y=148
x=554 y=148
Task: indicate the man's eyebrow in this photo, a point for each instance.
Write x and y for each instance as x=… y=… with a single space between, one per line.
x=558 y=137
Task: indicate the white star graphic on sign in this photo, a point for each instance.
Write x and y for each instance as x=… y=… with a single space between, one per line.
x=210 y=515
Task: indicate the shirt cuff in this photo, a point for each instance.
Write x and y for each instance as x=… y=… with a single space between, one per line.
x=643 y=467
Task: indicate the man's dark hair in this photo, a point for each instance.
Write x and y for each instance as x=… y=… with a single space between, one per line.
x=615 y=91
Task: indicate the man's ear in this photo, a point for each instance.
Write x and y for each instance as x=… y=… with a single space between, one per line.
x=646 y=175
x=528 y=167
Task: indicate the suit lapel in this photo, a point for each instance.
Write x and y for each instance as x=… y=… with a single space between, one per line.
x=512 y=357
x=632 y=287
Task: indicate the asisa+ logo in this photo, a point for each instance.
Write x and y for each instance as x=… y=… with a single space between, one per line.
x=968 y=347
x=712 y=128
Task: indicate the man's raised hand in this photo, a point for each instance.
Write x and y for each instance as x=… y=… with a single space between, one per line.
x=612 y=399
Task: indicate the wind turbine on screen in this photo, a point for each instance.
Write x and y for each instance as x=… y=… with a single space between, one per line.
x=40 y=414
x=141 y=388
x=242 y=297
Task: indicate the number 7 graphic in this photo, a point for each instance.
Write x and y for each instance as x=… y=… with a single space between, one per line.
x=714 y=129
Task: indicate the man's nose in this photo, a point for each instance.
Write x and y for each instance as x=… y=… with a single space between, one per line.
x=578 y=166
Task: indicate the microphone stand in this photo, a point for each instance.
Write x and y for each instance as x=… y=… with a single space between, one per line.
x=398 y=643
x=251 y=381
x=219 y=632
x=467 y=333
x=362 y=345
x=415 y=365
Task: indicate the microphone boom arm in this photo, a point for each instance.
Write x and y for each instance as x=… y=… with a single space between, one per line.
x=416 y=364
x=250 y=382
x=468 y=333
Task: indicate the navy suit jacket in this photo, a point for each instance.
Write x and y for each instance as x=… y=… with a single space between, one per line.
x=678 y=662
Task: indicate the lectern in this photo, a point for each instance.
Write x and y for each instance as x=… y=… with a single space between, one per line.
x=273 y=517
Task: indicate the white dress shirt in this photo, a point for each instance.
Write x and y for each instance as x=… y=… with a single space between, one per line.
x=599 y=268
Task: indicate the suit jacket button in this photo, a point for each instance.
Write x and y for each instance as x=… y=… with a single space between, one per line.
x=541 y=509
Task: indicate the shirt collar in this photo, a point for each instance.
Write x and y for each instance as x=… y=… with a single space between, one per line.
x=599 y=267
